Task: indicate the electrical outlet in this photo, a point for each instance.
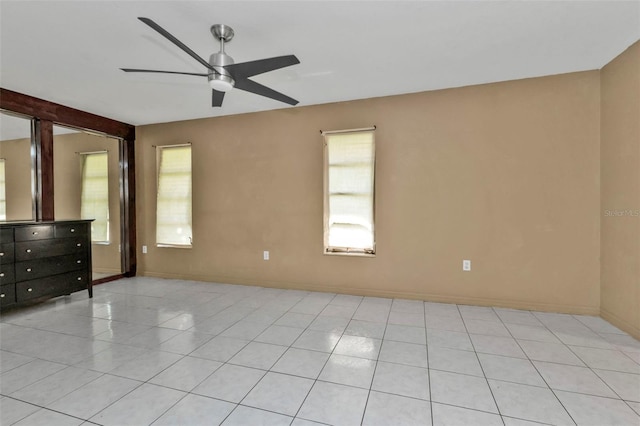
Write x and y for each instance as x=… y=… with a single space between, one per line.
x=265 y=255
x=466 y=265
x=144 y=249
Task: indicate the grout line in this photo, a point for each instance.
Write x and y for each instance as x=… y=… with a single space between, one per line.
x=170 y=407
x=288 y=347
x=375 y=368
x=541 y=376
x=601 y=379
x=239 y=404
x=426 y=336
x=227 y=362
x=481 y=367
x=240 y=296
x=41 y=408
x=489 y=412
x=329 y=357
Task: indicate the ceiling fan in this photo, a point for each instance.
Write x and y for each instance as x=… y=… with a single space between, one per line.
x=223 y=74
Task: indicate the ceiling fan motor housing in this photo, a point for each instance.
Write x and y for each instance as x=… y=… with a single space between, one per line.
x=220 y=80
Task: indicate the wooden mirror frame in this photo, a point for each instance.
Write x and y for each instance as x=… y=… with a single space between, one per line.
x=45 y=114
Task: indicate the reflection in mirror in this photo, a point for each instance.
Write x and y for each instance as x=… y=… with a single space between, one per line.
x=86 y=176
x=16 y=171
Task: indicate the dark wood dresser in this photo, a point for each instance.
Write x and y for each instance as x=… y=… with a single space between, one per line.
x=40 y=260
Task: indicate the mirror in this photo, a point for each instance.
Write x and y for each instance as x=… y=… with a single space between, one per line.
x=16 y=168
x=86 y=176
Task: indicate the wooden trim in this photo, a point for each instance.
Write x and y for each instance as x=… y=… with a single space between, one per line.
x=45 y=115
x=44 y=164
x=60 y=114
x=129 y=204
x=108 y=279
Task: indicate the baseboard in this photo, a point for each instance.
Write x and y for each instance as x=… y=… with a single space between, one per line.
x=623 y=325
x=460 y=300
x=106 y=271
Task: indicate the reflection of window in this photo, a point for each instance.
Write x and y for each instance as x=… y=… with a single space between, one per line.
x=94 y=202
x=3 y=197
x=349 y=166
x=173 y=210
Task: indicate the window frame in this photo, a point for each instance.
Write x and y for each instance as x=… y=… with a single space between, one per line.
x=347 y=251
x=159 y=149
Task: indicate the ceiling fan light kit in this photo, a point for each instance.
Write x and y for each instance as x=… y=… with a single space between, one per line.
x=219 y=78
x=222 y=73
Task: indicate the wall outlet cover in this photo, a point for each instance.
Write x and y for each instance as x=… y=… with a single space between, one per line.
x=466 y=265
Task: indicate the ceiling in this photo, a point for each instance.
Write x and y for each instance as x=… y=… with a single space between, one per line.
x=19 y=127
x=70 y=52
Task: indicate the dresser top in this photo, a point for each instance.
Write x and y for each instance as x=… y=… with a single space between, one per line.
x=14 y=223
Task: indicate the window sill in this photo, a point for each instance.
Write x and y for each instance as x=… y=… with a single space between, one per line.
x=349 y=254
x=101 y=243
x=178 y=246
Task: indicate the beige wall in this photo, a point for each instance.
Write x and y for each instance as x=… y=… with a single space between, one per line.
x=620 y=191
x=504 y=174
x=17 y=155
x=67 y=176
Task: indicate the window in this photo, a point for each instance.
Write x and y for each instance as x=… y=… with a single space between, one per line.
x=349 y=166
x=3 y=197
x=173 y=211
x=94 y=201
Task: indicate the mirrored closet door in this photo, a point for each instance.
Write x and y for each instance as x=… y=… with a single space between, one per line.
x=87 y=185
x=16 y=168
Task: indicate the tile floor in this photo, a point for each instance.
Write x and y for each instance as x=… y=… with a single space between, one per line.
x=167 y=352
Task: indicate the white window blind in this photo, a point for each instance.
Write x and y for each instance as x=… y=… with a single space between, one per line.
x=3 y=196
x=349 y=192
x=94 y=202
x=173 y=210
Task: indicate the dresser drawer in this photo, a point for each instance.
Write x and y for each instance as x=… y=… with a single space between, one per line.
x=52 y=286
x=7 y=294
x=30 y=233
x=69 y=230
x=6 y=253
x=28 y=250
x=37 y=268
x=6 y=235
x=6 y=274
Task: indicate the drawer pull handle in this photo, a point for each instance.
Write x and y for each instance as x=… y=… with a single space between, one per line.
x=1 y=274
x=73 y=230
x=79 y=278
x=28 y=250
x=79 y=245
x=29 y=290
x=78 y=261
x=35 y=232
x=1 y=253
x=28 y=269
x=2 y=295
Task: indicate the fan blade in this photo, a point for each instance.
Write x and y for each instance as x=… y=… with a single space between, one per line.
x=163 y=72
x=217 y=98
x=257 y=88
x=249 y=69
x=175 y=41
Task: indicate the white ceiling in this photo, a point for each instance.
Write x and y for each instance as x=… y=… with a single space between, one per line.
x=70 y=52
x=18 y=127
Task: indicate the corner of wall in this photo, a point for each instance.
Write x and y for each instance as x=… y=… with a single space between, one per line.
x=620 y=191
